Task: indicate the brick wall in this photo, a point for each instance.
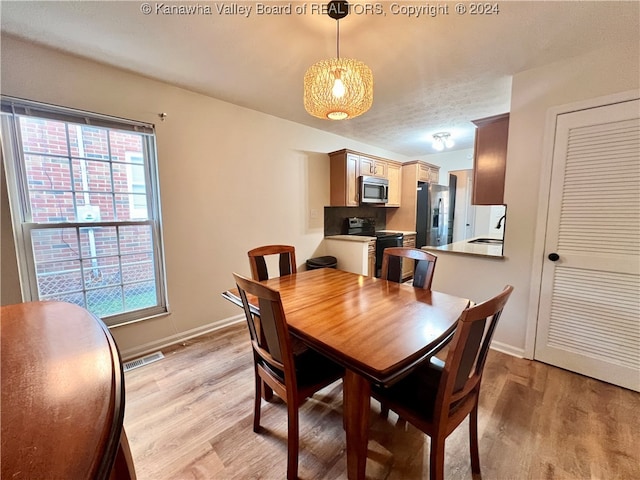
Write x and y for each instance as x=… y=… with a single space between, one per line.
x=66 y=161
x=55 y=169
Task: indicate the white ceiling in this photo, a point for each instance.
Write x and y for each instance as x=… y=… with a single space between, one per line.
x=431 y=74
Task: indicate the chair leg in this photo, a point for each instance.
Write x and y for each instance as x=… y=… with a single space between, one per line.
x=473 y=439
x=384 y=410
x=436 y=459
x=256 y=403
x=267 y=392
x=292 y=441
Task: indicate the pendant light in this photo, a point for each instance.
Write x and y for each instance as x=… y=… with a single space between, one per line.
x=338 y=88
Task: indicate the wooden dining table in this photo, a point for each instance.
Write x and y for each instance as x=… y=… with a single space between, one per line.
x=378 y=330
x=62 y=395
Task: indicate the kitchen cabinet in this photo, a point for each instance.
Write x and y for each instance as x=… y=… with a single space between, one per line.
x=428 y=173
x=490 y=160
x=394 y=172
x=371 y=258
x=352 y=252
x=373 y=167
x=404 y=217
x=344 y=173
x=346 y=166
x=409 y=240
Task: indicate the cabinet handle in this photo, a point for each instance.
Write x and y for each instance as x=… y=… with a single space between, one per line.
x=554 y=257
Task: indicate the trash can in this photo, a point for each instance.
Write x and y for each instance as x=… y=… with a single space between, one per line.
x=322 y=262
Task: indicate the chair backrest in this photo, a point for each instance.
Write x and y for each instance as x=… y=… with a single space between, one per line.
x=423 y=271
x=271 y=343
x=468 y=350
x=287 y=260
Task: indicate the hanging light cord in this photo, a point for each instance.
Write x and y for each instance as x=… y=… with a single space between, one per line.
x=338 y=38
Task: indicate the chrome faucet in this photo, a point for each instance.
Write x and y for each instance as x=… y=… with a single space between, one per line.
x=499 y=225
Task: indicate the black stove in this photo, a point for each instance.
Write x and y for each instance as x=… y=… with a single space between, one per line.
x=360 y=226
x=365 y=226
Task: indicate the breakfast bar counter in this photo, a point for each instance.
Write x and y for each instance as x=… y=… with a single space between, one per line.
x=466 y=247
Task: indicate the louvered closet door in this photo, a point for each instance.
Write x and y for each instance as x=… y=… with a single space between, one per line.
x=589 y=318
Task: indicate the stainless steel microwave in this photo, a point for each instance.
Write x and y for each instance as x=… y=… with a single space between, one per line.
x=374 y=190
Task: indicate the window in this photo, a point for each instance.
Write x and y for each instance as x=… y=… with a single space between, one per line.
x=137 y=185
x=85 y=209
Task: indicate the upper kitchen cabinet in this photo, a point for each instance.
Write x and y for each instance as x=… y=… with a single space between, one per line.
x=374 y=167
x=347 y=166
x=344 y=172
x=428 y=173
x=419 y=171
x=490 y=160
x=404 y=218
x=394 y=176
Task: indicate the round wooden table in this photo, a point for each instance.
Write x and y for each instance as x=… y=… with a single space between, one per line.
x=62 y=394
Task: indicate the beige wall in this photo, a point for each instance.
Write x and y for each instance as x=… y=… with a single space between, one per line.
x=230 y=179
x=534 y=92
x=448 y=161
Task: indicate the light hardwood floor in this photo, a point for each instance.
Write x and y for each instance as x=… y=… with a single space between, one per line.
x=189 y=416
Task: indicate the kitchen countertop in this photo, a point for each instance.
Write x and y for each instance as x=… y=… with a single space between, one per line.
x=361 y=238
x=351 y=238
x=399 y=231
x=464 y=247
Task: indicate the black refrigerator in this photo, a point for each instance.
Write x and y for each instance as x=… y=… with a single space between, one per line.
x=434 y=214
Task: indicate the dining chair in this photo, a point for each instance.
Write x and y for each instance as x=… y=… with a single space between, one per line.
x=286 y=262
x=292 y=377
x=423 y=271
x=259 y=271
x=424 y=268
x=437 y=396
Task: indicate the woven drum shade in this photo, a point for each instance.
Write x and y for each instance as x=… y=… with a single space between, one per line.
x=319 y=82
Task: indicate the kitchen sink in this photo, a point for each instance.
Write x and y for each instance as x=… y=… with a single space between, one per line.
x=489 y=241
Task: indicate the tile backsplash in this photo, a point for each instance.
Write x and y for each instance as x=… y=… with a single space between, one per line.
x=334 y=217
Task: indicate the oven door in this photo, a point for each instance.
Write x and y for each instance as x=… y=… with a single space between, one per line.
x=374 y=190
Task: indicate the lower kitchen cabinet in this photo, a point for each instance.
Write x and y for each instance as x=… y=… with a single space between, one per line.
x=408 y=240
x=352 y=252
x=371 y=258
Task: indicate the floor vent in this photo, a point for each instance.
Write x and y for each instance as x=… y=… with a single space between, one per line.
x=141 y=362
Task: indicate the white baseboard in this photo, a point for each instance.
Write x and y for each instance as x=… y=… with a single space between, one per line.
x=508 y=349
x=156 y=345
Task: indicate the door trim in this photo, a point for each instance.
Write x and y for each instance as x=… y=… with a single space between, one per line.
x=543 y=202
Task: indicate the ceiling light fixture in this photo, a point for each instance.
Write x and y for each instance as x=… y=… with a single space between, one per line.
x=442 y=140
x=338 y=88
